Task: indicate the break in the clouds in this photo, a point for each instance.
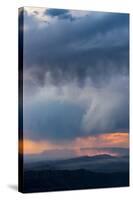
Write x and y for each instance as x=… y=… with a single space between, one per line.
x=75 y=73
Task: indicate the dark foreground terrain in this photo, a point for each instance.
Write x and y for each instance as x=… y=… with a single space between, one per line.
x=48 y=180
x=77 y=173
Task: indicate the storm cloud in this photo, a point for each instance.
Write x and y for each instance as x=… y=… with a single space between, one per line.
x=75 y=74
x=94 y=46
x=69 y=111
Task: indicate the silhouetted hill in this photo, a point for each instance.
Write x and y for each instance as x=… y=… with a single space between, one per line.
x=55 y=180
x=84 y=172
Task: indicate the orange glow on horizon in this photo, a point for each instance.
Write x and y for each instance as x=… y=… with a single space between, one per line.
x=93 y=143
x=104 y=140
x=34 y=147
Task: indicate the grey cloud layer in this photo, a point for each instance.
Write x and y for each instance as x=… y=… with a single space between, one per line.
x=77 y=73
x=95 y=46
x=69 y=111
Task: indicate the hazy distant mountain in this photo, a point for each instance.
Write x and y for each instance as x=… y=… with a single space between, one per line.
x=54 y=154
x=61 y=154
x=98 y=163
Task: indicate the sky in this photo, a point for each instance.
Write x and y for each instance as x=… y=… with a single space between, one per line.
x=75 y=82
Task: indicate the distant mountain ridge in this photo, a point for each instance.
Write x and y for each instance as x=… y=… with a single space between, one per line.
x=100 y=156
x=97 y=163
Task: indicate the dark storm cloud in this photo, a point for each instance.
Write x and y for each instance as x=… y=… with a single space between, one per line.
x=95 y=48
x=60 y=13
x=64 y=116
x=95 y=44
x=55 y=12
